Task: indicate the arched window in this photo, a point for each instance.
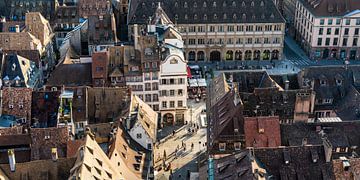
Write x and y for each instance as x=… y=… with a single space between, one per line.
x=229 y=55
x=248 y=55
x=266 y=55
x=275 y=55
x=256 y=55
x=238 y=55
x=200 y=56
x=191 y=56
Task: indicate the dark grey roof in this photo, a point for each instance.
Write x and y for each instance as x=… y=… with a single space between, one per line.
x=331 y=7
x=206 y=12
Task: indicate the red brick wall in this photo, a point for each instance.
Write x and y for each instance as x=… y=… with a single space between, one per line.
x=270 y=137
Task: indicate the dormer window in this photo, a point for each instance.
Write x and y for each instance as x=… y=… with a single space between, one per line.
x=195 y=16
x=339 y=82
x=176 y=16
x=205 y=17
x=224 y=4
x=237 y=145
x=234 y=4
x=225 y=16
x=176 y=4
x=185 y=5
x=252 y=3
x=323 y=82
x=234 y=16
x=186 y=16
x=204 y=5
x=214 y=4
x=195 y=4
x=262 y=3
x=215 y=16
x=243 y=4
x=222 y=146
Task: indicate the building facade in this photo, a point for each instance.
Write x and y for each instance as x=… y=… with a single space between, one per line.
x=218 y=30
x=328 y=30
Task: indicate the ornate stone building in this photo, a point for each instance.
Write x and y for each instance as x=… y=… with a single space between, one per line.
x=218 y=30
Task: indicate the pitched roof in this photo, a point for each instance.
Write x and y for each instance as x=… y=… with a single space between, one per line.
x=300 y=162
x=44 y=108
x=145 y=116
x=91 y=162
x=262 y=131
x=206 y=12
x=41 y=170
x=78 y=74
x=331 y=7
x=126 y=150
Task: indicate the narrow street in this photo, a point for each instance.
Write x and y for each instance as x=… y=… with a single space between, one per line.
x=181 y=149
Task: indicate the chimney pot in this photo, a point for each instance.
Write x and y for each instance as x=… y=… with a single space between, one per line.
x=12 y=162
x=54 y=154
x=17 y=28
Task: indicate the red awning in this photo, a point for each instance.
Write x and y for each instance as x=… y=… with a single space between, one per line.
x=188 y=72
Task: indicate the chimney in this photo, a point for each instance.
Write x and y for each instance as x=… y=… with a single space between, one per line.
x=17 y=28
x=327 y=148
x=287 y=85
x=304 y=142
x=54 y=154
x=11 y=154
x=128 y=122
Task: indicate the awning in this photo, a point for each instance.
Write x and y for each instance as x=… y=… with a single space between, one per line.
x=193 y=83
x=188 y=72
x=201 y=82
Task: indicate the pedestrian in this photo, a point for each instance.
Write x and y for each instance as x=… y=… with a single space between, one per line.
x=192 y=146
x=182 y=143
x=173 y=132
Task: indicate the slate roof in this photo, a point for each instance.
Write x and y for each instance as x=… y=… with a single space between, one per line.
x=300 y=164
x=331 y=7
x=78 y=74
x=340 y=134
x=207 y=12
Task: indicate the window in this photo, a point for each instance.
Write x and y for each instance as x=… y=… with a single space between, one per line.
x=327 y=101
x=201 y=29
x=337 y=31
x=201 y=41
x=249 y=41
x=328 y=31
x=346 y=32
x=222 y=146
x=230 y=28
x=155 y=86
x=344 y=42
x=212 y=28
x=138 y=135
x=339 y=82
x=239 y=41
x=154 y=76
x=147 y=65
x=191 y=28
x=319 y=42
x=172 y=92
x=164 y=104
x=172 y=104
x=180 y=104
x=258 y=28
x=147 y=86
x=322 y=21
x=237 y=145
x=335 y=42
x=249 y=28
x=181 y=81
x=330 y=21
x=191 y=41
x=356 y=32
x=239 y=28
x=338 y=21
x=147 y=76
x=99 y=69
x=355 y=42
x=322 y=82
x=147 y=97
x=220 y=29
x=347 y=22
x=321 y=30
x=180 y=92
x=155 y=98
x=327 y=41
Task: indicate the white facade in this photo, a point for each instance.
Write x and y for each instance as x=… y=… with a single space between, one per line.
x=139 y=134
x=328 y=37
x=173 y=88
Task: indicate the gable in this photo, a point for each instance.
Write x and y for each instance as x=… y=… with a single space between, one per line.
x=173 y=65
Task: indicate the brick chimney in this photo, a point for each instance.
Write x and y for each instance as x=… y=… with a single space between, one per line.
x=12 y=162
